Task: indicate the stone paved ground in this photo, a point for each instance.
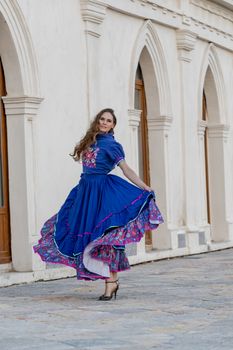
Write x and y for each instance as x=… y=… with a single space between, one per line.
x=184 y=303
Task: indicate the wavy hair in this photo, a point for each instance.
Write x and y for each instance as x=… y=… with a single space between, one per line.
x=90 y=136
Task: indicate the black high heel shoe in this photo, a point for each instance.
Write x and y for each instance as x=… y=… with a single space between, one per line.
x=109 y=297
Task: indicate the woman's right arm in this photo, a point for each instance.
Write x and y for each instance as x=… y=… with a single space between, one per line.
x=132 y=176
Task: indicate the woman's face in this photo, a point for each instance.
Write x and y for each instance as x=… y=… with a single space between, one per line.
x=106 y=122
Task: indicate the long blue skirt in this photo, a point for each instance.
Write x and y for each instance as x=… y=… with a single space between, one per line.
x=101 y=214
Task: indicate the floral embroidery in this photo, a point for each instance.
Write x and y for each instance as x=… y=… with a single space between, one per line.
x=89 y=157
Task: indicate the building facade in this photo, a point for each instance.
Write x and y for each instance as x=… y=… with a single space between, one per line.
x=165 y=67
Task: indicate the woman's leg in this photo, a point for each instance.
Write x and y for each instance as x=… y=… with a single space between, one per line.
x=110 y=287
x=117 y=262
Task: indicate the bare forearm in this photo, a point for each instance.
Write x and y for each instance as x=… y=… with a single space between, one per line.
x=132 y=176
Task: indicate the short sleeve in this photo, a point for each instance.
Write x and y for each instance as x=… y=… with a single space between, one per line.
x=117 y=153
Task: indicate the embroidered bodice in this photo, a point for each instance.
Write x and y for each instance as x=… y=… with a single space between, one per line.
x=103 y=156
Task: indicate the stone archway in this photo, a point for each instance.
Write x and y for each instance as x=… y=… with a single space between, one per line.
x=21 y=105
x=148 y=52
x=213 y=135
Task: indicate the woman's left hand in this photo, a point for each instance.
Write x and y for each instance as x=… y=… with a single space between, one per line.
x=147 y=188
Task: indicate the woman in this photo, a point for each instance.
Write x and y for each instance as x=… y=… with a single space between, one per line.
x=102 y=212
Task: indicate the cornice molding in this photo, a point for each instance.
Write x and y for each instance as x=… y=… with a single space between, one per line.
x=215 y=31
x=214 y=8
x=93 y=14
x=223 y=10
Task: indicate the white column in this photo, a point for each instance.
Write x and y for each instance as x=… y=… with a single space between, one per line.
x=20 y=113
x=185 y=44
x=203 y=218
x=202 y=125
x=221 y=228
x=158 y=134
x=134 y=120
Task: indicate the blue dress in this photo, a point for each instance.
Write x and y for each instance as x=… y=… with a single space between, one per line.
x=101 y=214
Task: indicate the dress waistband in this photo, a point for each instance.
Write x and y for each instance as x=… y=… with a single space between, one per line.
x=94 y=174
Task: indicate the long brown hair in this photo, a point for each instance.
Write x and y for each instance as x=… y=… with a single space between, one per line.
x=91 y=133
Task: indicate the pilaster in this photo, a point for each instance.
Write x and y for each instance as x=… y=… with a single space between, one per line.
x=185 y=45
x=158 y=135
x=134 y=116
x=201 y=129
x=93 y=14
x=220 y=208
x=20 y=113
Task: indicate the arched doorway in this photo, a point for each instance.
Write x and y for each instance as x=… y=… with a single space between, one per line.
x=5 y=248
x=143 y=146
x=148 y=52
x=213 y=135
x=21 y=103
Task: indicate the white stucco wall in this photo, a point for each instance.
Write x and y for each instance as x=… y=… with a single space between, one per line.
x=58 y=38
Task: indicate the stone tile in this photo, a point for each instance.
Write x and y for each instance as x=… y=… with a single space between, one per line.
x=182 y=303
